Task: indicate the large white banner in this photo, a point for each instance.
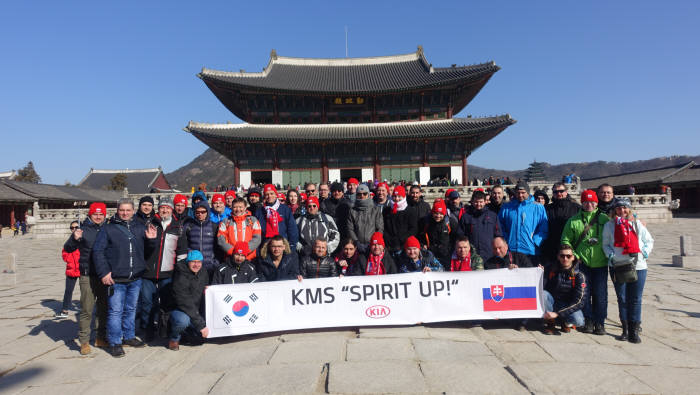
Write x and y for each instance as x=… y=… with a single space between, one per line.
x=398 y=299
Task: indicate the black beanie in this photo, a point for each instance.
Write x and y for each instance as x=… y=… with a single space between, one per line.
x=146 y=199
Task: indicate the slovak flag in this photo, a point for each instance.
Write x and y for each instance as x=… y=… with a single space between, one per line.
x=500 y=298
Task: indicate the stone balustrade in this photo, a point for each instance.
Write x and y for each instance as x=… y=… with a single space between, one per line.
x=56 y=223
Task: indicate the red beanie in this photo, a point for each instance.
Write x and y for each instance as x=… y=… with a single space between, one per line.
x=218 y=198
x=313 y=200
x=231 y=193
x=241 y=247
x=303 y=196
x=385 y=185
x=281 y=196
x=269 y=187
x=412 y=242
x=589 y=195
x=377 y=238
x=97 y=207
x=399 y=191
x=180 y=199
x=440 y=207
x=353 y=181
x=447 y=192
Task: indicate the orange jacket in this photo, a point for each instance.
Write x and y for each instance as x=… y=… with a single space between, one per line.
x=245 y=228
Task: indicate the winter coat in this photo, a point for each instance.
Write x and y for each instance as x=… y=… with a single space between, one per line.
x=455 y=212
x=245 y=228
x=566 y=286
x=143 y=218
x=399 y=227
x=439 y=237
x=161 y=261
x=199 y=194
x=476 y=262
x=287 y=226
x=72 y=260
x=356 y=264
x=216 y=217
x=388 y=262
x=232 y=273
x=481 y=227
x=312 y=266
x=558 y=212
x=314 y=226
x=121 y=248
x=646 y=242
x=201 y=235
x=288 y=268
x=422 y=207
x=523 y=225
x=425 y=259
x=188 y=292
x=592 y=255
x=339 y=210
x=497 y=262
x=363 y=221
x=84 y=245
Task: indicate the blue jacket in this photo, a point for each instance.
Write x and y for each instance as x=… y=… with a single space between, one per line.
x=524 y=225
x=480 y=227
x=287 y=227
x=200 y=236
x=216 y=217
x=120 y=249
x=200 y=194
x=288 y=268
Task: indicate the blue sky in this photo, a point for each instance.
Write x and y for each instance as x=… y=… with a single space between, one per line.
x=92 y=84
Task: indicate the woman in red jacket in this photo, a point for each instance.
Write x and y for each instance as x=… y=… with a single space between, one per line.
x=72 y=274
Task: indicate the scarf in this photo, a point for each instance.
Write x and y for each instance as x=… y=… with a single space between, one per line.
x=400 y=206
x=272 y=220
x=363 y=204
x=625 y=236
x=375 y=266
x=294 y=207
x=461 y=265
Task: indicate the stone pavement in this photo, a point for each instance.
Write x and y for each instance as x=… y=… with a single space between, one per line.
x=39 y=354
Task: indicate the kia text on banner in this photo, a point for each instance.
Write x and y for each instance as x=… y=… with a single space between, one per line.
x=398 y=299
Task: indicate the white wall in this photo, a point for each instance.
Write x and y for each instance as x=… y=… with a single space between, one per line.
x=424 y=175
x=456 y=174
x=245 y=178
x=368 y=174
x=334 y=175
x=277 y=177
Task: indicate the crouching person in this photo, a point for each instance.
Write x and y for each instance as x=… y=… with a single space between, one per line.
x=414 y=259
x=319 y=263
x=188 y=289
x=236 y=269
x=564 y=291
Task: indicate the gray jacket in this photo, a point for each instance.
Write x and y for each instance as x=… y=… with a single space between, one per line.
x=364 y=219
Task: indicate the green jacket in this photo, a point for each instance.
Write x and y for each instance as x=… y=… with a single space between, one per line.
x=590 y=255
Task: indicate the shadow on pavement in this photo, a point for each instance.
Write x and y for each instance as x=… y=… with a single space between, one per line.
x=690 y=314
x=18 y=377
x=65 y=330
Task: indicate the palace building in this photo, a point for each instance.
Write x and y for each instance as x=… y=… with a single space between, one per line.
x=388 y=117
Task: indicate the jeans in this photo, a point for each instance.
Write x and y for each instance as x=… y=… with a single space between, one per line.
x=595 y=305
x=575 y=317
x=629 y=298
x=179 y=323
x=122 y=311
x=68 y=293
x=93 y=296
x=154 y=293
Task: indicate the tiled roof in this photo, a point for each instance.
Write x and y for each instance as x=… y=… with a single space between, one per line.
x=138 y=181
x=345 y=132
x=8 y=194
x=350 y=75
x=666 y=175
x=62 y=192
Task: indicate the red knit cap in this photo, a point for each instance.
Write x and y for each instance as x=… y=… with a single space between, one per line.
x=281 y=196
x=241 y=247
x=97 y=207
x=179 y=198
x=313 y=200
x=399 y=191
x=218 y=198
x=412 y=242
x=589 y=195
x=377 y=238
x=303 y=196
x=385 y=185
x=440 y=207
x=269 y=187
x=447 y=192
x=231 y=193
x=353 y=181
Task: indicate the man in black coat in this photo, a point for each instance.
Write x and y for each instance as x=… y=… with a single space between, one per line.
x=415 y=200
x=559 y=211
x=338 y=207
x=188 y=290
x=400 y=221
x=236 y=269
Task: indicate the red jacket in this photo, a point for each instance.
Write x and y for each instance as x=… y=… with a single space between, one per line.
x=72 y=266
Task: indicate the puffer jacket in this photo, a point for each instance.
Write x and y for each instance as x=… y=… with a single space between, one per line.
x=84 y=245
x=592 y=255
x=481 y=227
x=188 y=291
x=121 y=248
x=425 y=259
x=287 y=227
x=72 y=260
x=312 y=227
x=288 y=268
x=161 y=262
x=399 y=227
x=439 y=237
x=568 y=286
x=232 y=273
x=523 y=225
x=199 y=194
x=312 y=266
x=558 y=212
x=363 y=220
x=245 y=228
x=646 y=242
x=201 y=235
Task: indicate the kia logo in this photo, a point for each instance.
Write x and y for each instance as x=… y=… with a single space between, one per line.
x=377 y=311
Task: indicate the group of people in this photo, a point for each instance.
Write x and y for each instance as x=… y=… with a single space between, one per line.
x=147 y=267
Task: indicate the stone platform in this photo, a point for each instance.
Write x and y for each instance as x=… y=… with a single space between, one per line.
x=39 y=354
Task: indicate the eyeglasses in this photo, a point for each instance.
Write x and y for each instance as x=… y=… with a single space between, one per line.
x=311 y=206
x=560 y=191
x=200 y=212
x=310 y=190
x=74 y=227
x=567 y=256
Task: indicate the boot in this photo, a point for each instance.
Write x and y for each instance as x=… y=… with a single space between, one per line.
x=85 y=349
x=623 y=336
x=588 y=327
x=634 y=332
x=599 y=329
x=173 y=345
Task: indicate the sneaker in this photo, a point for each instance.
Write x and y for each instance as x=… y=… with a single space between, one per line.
x=61 y=314
x=173 y=345
x=599 y=330
x=550 y=329
x=101 y=343
x=566 y=328
x=116 y=351
x=85 y=349
x=133 y=342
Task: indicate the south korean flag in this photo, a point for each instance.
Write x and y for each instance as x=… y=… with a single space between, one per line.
x=239 y=309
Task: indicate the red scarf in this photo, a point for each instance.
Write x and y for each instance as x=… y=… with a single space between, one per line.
x=272 y=220
x=461 y=265
x=375 y=266
x=625 y=236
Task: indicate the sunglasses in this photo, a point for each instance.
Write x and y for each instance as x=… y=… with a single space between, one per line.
x=560 y=191
x=310 y=190
x=363 y=193
x=74 y=227
x=200 y=212
x=567 y=256
x=312 y=205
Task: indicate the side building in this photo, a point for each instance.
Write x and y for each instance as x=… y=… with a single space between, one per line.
x=137 y=181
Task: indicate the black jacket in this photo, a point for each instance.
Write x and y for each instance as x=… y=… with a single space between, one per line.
x=566 y=286
x=120 y=249
x=288 y=268
x=496 y=262
x=480 y=227
x=339 y=210
x=388 y=262
x=85 y=244
x=143 y=218
x=231 y=273
x=312 y=266
x=422 y=207
x=439 y=237
x=167 y=248
x=558 y=212
x=399 y=227
x=356 y=264
x=188 y=291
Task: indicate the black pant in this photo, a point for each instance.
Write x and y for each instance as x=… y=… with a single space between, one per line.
x=68 y=294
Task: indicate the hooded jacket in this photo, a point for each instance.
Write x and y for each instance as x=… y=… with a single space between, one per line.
x=363 y=220
x=312 y=227
x=558 y=212
x=287 y=226
x=199 y=194
x=523 y=225
x=399 y=227
x=161 y=262
x=439 y=237
x=120 y=248
x=567 y=286
x=188 y=291
x=201 y=235
x=232 y=273
x=84 y=245
x=312 y=266
x=425 y=259
x=216 y=217
x=591 y=254
x=480 y=226
x=288 y=268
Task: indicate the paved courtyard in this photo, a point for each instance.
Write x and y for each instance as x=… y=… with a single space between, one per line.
x=39 y=354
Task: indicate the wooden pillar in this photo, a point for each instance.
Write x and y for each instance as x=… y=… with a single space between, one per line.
x=12 y=215
x=422 y=112
x=274 y=104
x=465 y=173
x=236 y=175
x=324 y=173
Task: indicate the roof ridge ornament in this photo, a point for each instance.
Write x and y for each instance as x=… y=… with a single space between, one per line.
x=273 y=54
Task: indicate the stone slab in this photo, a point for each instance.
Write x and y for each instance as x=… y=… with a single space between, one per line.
x=456 y=334
x=669 y=380
x=386 y=377
x=587 y=353
x=448 y=350
x=512 y=352
x=223 y=357
x=298 y=378
x=411 y=331
x=323 y=349
x=380 y=349
x=470 y=378
x=195 y=383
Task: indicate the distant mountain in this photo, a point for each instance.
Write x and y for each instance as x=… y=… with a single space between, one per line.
x=214 y=169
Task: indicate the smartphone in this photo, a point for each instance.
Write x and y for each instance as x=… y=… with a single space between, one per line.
x=110 y=291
